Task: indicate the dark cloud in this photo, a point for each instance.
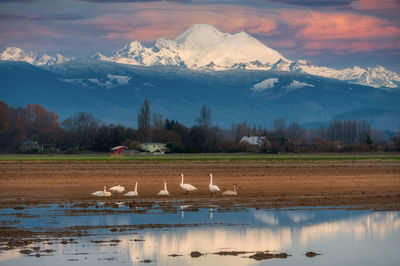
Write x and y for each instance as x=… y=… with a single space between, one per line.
x=315 y=3
x=132 y=1
x=40 y=17
x=9 y=1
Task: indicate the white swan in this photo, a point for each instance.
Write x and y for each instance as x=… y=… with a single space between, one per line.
x=187 y=187
x=164 y=192
x=103 y=193
x=213 y=188
x=231 y=192
x=118 y=189
x=132 y=193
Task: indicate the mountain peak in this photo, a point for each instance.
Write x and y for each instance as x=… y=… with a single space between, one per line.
x=204 y=47
x=198 y=32
x=17 y=54
x=199 y=36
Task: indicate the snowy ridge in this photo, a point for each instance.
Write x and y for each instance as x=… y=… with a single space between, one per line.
x=375 y=77
x=17 y=54
x=265 y=84
x=108 y=82
x=203 y=47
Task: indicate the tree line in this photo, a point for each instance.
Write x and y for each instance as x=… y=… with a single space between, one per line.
x=83 y=132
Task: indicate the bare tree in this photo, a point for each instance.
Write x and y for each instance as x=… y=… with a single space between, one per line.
x=279 y=124
x=158 y=121
x=295 y=131
x=239 y=130
x=80 y=122
x=204 y=119
x=348 y=132
x=143 y=118
x=83 y=127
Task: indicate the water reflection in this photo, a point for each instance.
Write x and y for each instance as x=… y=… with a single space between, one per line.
x=333 y=233
x=9 y=254
x=363 y=231
x=183 y=207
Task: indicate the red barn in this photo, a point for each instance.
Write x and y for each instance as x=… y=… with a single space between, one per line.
x=118 y=149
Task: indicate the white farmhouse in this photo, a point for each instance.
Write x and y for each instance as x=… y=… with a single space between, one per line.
x=154 y=147
x=253 y=140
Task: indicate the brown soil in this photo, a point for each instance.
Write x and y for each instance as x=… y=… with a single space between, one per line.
x=364 y=184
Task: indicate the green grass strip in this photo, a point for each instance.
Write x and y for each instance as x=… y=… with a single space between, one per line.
x=197 y=158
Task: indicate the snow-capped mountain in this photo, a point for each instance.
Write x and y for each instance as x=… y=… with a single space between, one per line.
x=201 y=47
x=376 y=76
x=17 y=54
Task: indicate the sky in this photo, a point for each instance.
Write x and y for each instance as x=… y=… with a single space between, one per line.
x=336 y=33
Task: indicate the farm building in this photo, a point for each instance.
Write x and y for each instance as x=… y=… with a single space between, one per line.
x=154 y=147
x=31 y=146
x=253 y=140
x=118 y=149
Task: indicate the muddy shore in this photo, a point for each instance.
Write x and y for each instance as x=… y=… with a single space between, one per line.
x=370 y=185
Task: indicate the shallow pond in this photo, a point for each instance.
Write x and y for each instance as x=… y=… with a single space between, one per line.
x=168 y=234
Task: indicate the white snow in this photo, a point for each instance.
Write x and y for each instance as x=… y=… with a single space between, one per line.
x=294 y=85
x=265 y=84
x=17 y=54
x=111 y=81
x=201 y=47
x=120 y=80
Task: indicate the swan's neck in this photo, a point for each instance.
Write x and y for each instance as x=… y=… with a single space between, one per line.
x=105 y=188
x=182 y=180
x=136 y=187
x=165 y=186
x=210 y=180
x=234 y=188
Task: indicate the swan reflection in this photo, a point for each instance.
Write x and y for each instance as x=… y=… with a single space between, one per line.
x=183 y=207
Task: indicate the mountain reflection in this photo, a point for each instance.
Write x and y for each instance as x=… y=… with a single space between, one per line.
x=269 y=235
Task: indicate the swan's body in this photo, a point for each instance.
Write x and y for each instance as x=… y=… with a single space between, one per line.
x=231 y=192
x=164 y=192
x=118 y=189
x=132 y=193
x=213 y=188
x=187 y=187
x=103 y=193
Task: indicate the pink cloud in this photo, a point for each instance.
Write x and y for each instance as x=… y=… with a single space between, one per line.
x=296 y=31
x=168 y=20
x=355 y=46
x=339 y=26
x=311 y=31
x=340 y=32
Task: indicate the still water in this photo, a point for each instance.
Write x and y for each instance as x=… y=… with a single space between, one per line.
x=160 y=236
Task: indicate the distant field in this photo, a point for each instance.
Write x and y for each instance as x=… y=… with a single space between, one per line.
x=196 y=158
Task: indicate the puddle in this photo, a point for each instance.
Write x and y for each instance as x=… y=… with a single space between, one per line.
x=154 y=234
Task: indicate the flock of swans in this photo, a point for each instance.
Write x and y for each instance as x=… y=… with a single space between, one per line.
x=164 y=192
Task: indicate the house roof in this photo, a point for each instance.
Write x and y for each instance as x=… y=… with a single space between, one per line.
x=29 y=142
x=254 y=140
x=118 y=147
